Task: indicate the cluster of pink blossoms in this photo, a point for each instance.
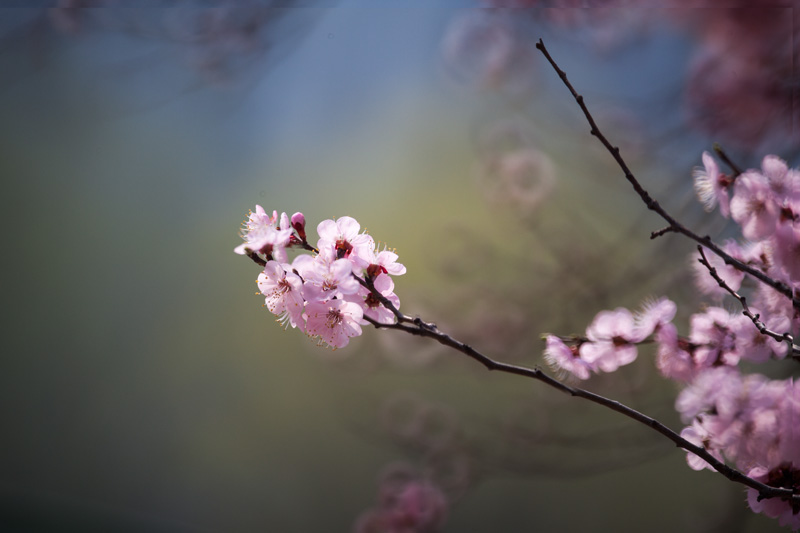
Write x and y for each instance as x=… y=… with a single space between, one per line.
x=750 y=420
x=321 y=294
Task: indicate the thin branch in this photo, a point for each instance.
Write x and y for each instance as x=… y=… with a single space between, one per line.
x=416 y=326
x=255 y=257
x=733 y=166
x=762 y=328
x=653 y=205
x=662 y=231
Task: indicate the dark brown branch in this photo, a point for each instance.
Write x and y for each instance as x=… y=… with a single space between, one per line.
x=416 y=326
x=662 y=231
x=733 y=166
x=255 y=257
x=654 y=205
x=762 y=328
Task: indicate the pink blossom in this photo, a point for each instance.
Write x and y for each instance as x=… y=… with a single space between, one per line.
x=756 y=347
x=790 y=423
x=262 y=236
x=753 y=206
x=299 y=225
x=714 y=335
x=785 y=475
x=699 y=436
x=334 y=321
x=372 y=307
x=754 y=254
x=774 y=304
x=654 y=314
x=327 y=277
x=562 y=357
x=407 y=503
x=673 y=359
x=785 y=246
x=376 y=262
x=343 y=236
x=283 y=291
x=713 y=389
x=784 y=182
x=712 y=186
x=612 y=336
x=416 y=507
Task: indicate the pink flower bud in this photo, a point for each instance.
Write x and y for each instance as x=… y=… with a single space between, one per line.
x=299 y=225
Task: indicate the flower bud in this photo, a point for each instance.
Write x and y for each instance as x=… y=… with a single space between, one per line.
x=299 y=225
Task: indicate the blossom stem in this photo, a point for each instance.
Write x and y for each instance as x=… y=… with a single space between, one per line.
x=416 y=326
x=653 y=205
x=733 y=166
x=762 y=328
x=254 y=256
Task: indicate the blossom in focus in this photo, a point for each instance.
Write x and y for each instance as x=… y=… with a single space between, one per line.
x=370 y=304
x=376 y=261
x=327 y=277
x=283 y=292
x=342 y=235
x=334 y=321
x=262 y=236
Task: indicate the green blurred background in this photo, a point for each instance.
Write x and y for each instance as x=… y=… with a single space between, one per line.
x=145 y=388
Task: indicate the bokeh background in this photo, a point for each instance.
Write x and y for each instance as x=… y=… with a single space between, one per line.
x=144 y=387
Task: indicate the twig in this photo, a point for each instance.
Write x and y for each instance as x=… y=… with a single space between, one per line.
x=762 y=328
x=416 y=326
x=653 y=205
x=733 y=166
x=662 y=231
x=255 y=257
x=419 y=327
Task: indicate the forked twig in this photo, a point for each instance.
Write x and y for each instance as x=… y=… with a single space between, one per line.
x=673 y=224
x=755 y=318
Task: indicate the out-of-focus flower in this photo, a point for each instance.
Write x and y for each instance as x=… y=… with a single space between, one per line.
x=612 y=337
x=673 y=358
x=712 y=186
x=714 y=335
x=563 y=357
x=484 y=48
x=520 y=178
x=654 y=315
x=408 y=503
x=753 y=206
